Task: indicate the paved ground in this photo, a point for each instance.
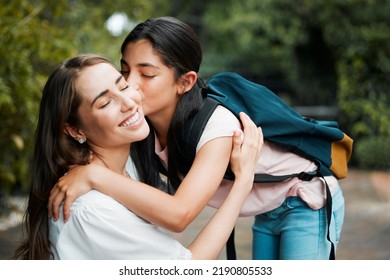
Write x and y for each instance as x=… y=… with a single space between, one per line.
x=365 y=236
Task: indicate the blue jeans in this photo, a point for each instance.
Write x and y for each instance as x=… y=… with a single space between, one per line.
x=294 y=231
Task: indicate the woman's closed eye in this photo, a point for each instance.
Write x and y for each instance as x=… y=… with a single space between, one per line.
x=105 y=103
x=107 y=100
x=124 y=88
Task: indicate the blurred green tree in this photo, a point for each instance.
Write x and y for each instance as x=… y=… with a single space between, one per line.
x=34 y=37
x=29 y=47
x=325 y=52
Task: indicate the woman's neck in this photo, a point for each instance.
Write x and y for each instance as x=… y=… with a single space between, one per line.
x=114 y=160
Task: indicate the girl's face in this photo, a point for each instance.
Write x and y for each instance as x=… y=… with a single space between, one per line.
x=143 y=68
x=110 y=112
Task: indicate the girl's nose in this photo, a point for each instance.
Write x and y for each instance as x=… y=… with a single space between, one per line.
x=132 y=80
x=129 y=99
x=136 y=86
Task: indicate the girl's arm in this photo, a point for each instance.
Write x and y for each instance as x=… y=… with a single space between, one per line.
x=172 y=212
x=211 y=240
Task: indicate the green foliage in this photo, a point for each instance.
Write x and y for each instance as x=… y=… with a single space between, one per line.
x=373 y=153
x=364 y=69
x=26 y=55
x=327 y=52
x=241 y=36
x=305 y=39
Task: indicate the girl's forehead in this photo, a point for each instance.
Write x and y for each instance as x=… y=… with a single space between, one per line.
x=141 y=52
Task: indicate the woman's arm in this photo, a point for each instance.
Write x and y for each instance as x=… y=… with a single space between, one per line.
x=172 y=212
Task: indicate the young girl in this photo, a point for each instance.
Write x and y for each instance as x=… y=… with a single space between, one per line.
x=162 y=57
x=88 y=107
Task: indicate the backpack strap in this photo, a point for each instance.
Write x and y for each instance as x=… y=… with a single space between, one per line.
x=332 y=254
x=196 y=125
x=268 y=178
x=231 y=247
x=304 y=176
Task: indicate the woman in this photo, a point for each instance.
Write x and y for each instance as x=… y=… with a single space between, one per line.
x=162 y=57
x=88 y=107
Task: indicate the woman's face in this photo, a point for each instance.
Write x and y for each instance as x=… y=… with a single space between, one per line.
x=110 y=112
x=143 y=68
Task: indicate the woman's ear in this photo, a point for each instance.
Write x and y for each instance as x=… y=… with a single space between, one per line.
x=75 y=133
x=187 y=81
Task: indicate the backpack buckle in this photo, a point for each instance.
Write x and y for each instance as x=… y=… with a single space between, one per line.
x=307 y=176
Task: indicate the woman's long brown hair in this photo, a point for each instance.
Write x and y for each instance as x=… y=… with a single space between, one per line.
x=54 y=152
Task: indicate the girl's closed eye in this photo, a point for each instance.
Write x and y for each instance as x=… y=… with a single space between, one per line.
x=149 y=71
x=148 y=76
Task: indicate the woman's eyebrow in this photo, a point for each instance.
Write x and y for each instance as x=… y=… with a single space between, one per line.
x=105 y=91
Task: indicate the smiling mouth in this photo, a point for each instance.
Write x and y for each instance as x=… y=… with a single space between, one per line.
x=131 y=120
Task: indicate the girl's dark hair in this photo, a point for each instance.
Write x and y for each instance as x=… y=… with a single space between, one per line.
x=179 y=48
x=54 y=151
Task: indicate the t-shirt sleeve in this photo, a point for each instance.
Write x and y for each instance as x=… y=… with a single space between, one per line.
x=222 y=123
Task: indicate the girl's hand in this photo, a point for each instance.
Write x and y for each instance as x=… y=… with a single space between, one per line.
x=246 y=148
x=73 y=184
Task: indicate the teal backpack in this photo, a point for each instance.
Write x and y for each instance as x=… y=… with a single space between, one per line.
x=319 y=141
